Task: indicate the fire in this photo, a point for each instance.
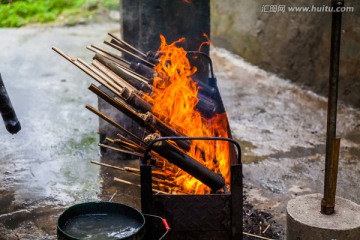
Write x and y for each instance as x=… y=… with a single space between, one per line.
x=207 y=42
x=174 y=101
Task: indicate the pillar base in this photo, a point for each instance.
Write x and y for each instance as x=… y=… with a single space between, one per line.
x=304 y=220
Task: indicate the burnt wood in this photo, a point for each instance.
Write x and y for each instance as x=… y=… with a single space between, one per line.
x=188 y=164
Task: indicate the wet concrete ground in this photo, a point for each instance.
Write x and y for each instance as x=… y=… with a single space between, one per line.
x=46 y=167
x=282 y=128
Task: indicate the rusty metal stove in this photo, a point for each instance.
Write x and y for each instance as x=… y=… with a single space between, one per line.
x=209 y=216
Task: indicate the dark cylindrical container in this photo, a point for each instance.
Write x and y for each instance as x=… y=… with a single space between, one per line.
x=96 y=209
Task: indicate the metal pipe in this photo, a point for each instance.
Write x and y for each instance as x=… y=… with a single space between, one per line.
x=7 y=111
x=332 y=144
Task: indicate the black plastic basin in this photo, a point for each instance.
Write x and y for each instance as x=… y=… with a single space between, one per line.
x=100 y=221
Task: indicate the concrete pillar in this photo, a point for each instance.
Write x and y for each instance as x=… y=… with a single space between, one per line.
x=305 y=222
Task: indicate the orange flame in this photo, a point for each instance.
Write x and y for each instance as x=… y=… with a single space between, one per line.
x=174 y=101
x=207 y=42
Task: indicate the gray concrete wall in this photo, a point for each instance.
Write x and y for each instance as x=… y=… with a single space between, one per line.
x=295 y=46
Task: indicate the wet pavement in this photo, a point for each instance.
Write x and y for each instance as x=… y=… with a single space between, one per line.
x=46 y=167
x=281 y=128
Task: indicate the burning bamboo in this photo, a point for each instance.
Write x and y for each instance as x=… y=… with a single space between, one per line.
x=174 y=155
x=144 y=120
x=135 y=171
x=115 y=78
x=132 y=79
x=127 y=69
x=131 y=91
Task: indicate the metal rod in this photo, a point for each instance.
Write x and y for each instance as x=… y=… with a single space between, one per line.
x=7 y=111
x=332 y=144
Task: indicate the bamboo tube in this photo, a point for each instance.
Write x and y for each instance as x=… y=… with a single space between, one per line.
x=108 y=80
x=121 y=150
x=128 y=45
x=127 y=76
x=130 y=141
x=111 y=56
x=129 y=145
x=134 y=74
x=128 y=68
x=118 y=105
x=133 y=184
x=130 y=170
x=109 y=139
x=116 y=78
x=144 y=120
x=127 y=52
x=181 y=159
x=87 y=70
x=111 y=121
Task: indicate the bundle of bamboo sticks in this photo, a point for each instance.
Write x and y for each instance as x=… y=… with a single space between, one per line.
x=128 y=88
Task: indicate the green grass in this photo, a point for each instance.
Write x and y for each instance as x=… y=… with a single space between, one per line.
x=17 y=13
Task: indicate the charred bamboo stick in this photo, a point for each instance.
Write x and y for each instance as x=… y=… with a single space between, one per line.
x=110 y=83
x=129 y=145
x=137 y=117
x=130 y=141
x=165 y=130
x=136 y=172
x=134 y=184
x=101 y=74
x=109 y=73
x=112 y=122
x=127 y=45
x=132 y=79
x=109 y=139
x=109 y=55
x=87 y=70
x=134 y=100
x=125 y=169
x=145 y=120
x=121 y=150
x=127 y=68
x=174 y=155
x=206 y=105
x=134 y=74
x=129 y=53
x=148 y=58
x=143 y=70
x=165 y=182
x=128 y=93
